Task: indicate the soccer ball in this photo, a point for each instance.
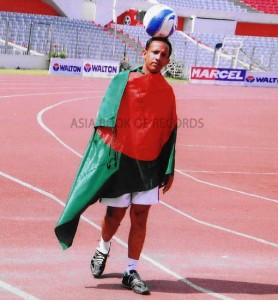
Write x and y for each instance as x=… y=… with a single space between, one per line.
x=160 y=21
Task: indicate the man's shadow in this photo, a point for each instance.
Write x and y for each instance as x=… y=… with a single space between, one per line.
x=181 y=287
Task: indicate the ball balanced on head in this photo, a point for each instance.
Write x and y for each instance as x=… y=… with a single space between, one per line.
x=160 y=21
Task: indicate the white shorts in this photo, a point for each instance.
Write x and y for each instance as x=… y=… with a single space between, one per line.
x=144 y=198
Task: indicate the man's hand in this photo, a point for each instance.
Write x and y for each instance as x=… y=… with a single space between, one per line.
x=167 y=183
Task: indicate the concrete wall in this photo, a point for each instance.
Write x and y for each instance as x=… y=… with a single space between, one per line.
x=244 y=28
x=89 y=10
x=30 y=6
x=104 y=9
x=243 y=16
x=67 y=8
x=9 y=61
x=201 y=25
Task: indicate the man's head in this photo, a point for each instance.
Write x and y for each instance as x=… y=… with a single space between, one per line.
x=156 y=54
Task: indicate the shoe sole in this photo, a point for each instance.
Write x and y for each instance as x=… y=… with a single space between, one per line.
x=97 y=275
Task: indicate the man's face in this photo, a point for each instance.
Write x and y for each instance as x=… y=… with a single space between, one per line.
x=156 y=57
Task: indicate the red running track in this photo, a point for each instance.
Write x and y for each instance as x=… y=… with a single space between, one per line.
x=214 y=235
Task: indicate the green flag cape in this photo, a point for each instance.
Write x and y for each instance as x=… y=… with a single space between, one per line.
x=105 y=170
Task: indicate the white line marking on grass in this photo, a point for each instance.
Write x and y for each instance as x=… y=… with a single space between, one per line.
x=227 y=188
x=16 y=291
x=121 y=242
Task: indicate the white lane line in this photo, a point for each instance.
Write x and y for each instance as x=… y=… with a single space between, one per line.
x=228 y=172
x=41 y=123
x=174 y=209
x=46 y=94
x=227 y=188
x=121 y=242
x=227 y=147
x=16 y=291
x=220 y=227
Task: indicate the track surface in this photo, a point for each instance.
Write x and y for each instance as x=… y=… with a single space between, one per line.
x=215 y=233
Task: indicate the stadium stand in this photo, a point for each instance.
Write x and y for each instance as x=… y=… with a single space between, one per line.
x=259 y=51
x=269 y=7
x=223 y=5
x=38 y=34
x=52 y=34
x=198 y=49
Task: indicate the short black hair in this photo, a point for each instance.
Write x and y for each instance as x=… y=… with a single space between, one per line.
x=162 y=39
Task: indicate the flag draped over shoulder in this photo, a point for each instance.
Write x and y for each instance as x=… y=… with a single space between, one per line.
x=131 y=149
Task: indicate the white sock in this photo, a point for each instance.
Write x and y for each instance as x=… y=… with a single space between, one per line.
x=131 y=265
x=104 y=247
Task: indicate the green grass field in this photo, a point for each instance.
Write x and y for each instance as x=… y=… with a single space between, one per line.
x=23 y=72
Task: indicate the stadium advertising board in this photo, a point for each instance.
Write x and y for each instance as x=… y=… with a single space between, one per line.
x=217 y=75
x=267 y=79
x=85 y=68
x=69 y=67
x=101 y=68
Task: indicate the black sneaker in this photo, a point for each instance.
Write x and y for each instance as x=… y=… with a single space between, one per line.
x=132 y=281
x=98 y=263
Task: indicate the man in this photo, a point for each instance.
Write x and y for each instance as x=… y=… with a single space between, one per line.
x=124 y=64
x=129 y=157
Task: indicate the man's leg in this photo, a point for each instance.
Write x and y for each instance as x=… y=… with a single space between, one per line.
x=112 y=221
x=110 y=225
x=138 y=217
x=131 y=279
